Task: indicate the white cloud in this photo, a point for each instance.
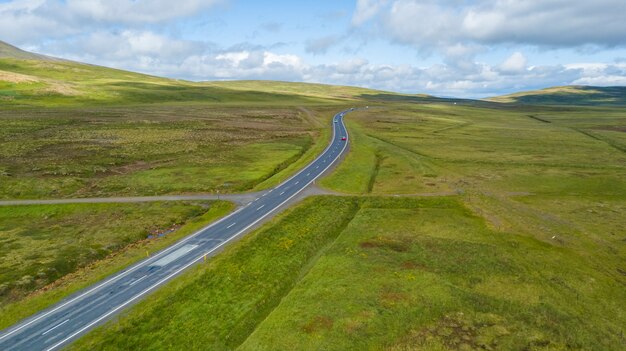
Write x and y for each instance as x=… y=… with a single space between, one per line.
x=135 y=11
x=152 y=53
x=516 y=63
x=321 y=45
x=552 y=23
x=366 y=9
x=135 y=35
x=600 y=74
x=24 y=20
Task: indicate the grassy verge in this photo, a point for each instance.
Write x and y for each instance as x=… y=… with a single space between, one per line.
x=377 y=166
x=217 y=305
x=429 y=275
x=117 y=225
x=318 y=144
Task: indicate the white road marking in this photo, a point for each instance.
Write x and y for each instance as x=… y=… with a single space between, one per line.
x=281 y=193
x=174 y=255
x=56 y=326
x=298 y=182
x=260 y=207
x=137 y=281
x=308 y=174
x=231 y=225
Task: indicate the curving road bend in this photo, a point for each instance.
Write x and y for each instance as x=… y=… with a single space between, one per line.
x=66 y=321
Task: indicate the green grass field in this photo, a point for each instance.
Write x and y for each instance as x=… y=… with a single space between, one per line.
x=529 y=255
x=491 y=225
x=148 y=150
x=380 y=273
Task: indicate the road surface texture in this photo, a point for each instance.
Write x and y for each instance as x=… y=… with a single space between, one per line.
x=66 y=321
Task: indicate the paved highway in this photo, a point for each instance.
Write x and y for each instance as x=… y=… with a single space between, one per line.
x=59 y=325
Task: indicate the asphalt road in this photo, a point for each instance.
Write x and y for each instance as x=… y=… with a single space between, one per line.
x=66 y=321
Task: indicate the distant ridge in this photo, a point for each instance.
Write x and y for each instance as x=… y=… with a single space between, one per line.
x=568 y=95
x=10 y=51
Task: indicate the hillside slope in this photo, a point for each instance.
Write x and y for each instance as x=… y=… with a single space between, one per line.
x=9 y=51
x=568 y=95
x=28 y=79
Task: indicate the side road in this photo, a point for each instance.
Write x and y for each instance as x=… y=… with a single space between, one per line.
x=239 y=199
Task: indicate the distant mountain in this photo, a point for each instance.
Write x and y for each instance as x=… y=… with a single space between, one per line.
x=568 y=95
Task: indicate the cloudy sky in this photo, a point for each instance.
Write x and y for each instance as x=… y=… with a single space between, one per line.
x=464 y=48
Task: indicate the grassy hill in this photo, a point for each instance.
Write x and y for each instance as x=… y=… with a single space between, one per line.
x=569 y=95
x=28 y=79
x=8 y=51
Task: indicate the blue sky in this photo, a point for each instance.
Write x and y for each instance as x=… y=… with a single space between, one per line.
x=464 y=48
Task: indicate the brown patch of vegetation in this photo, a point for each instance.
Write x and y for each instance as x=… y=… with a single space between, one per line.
x=16 y=77
x=455 y=332
x=390 y=299
x=402 y=244
x=412 y=265
x=60 y=88
x=318 y=323
x=613 y=128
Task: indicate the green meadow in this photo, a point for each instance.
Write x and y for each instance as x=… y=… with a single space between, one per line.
x=461 y=225
x=380 y=273
x=471 y=226
x=148 y=150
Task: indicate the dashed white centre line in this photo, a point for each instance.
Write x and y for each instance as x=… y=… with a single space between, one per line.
x=298 y=182
x=231 y=225
x=56 y=326
x=137 y=281
x=260 y=207
x=308 y=174
x=281 y=193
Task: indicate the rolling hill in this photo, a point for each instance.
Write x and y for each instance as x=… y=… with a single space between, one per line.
x=568 y=95
x=28 y=79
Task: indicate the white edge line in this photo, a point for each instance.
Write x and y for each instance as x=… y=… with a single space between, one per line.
x=190 y=263
x=56 y=326
x=179 y=243
x=137 y=281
